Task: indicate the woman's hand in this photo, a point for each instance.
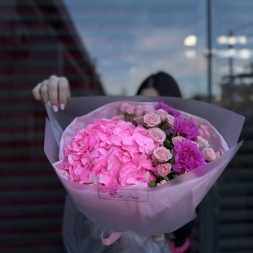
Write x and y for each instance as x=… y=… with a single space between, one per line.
x=55 y=91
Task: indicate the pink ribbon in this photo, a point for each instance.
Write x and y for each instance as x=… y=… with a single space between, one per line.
x=111 y=239
x=180 y=249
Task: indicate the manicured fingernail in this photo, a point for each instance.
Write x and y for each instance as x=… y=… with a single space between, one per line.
x=55 y=108
x=62 y=106
x=49 y=104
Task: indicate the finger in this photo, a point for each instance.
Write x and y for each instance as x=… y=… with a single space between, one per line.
x=68 y=94
x=53 y=92
x=158 y=238
x=36 y=92
x=63 y=92
x=44 y=91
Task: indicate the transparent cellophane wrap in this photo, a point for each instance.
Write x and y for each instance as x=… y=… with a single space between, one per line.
x=142 y=210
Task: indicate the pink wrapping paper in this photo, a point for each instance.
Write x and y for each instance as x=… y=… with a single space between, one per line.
x=156 y=210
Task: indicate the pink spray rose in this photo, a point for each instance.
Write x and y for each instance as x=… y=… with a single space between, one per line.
x=162 y=182
x=122 y=106
x=162 y=154
x=219 y=153
x=201 y=142
x=188 y=156
x=171 y=121
x=139 y=120
x=209 y=154
x=151 y=120
x=168 y=109
x=203 y=131
x=129 y=109
x=195 y=120
x=144 y=141
x=138 y=111
x=148 y=111
x=119 y=117
x=139 y=106
x=162 y=113
x=177 y=138
x=157 y=134
x=163 y=169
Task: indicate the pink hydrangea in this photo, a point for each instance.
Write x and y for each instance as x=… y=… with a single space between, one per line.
x=168 y=109
x=143 y=141
x=187 y=156
x=111 y=153
x=136 y=172
x=186 y=128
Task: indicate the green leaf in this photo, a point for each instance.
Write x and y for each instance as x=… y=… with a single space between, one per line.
x=172 y=160
x=167 y=143
x=152 y=184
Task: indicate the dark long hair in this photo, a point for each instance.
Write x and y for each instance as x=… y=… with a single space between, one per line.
x=163 y=83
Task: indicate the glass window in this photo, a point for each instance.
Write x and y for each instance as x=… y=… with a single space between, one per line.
x=129 y=40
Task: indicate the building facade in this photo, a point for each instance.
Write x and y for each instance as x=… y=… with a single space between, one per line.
x=37 y=39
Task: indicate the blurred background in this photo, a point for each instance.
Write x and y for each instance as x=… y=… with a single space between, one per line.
x=109 y=48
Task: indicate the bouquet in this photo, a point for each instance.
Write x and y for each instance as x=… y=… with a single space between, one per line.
x=144 y=145
x=140 y=166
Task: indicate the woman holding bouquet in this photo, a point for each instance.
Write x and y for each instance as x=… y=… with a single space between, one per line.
x=55 y=91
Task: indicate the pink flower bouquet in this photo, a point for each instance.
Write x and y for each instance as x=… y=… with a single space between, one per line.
x=140 y=166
